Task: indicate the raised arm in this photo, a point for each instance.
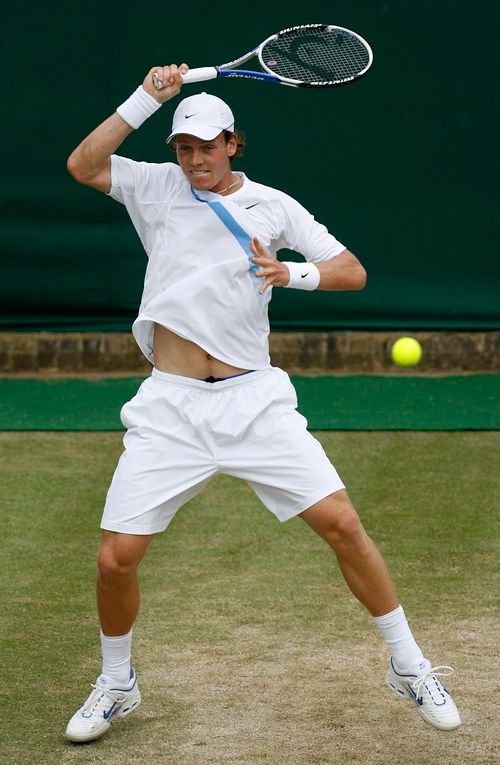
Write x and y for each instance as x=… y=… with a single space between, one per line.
x=90 y=162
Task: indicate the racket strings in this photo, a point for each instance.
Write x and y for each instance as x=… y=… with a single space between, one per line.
x=316 y=56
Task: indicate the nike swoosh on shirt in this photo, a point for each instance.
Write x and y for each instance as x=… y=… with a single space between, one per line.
x=187 y=116
x=250 y=206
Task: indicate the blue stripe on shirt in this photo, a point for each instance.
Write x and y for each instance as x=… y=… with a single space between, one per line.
x=236 y=230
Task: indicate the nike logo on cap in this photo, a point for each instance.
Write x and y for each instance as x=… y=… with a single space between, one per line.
x=187 y=116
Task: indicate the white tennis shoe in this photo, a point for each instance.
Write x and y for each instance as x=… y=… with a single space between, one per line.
x=102 y=707
x=433 y=702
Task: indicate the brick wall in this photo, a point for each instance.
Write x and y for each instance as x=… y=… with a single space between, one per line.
x=313 y=352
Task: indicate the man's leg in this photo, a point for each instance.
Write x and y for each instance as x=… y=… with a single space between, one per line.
x=363 y=567
x=115 y=693
x=336 y=521
x=118 y=601
x=410 y=674
x=117 y=583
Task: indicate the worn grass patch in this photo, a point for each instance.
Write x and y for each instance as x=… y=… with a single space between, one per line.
x=249 y=647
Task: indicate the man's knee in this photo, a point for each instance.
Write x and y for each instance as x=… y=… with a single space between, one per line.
x=335 y=519
x=119 y=554
x=347 y=525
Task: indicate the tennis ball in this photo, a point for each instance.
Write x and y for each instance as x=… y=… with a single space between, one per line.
x=406 y=352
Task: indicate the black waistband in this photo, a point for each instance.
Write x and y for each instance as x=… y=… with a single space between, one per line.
x=221 y=379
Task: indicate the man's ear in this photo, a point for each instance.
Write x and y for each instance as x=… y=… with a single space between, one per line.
x=232 y=146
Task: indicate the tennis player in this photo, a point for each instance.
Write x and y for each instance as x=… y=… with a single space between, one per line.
x=213 y=403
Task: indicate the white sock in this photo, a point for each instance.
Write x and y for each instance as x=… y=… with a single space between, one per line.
x=404 y=650
x=116 y=653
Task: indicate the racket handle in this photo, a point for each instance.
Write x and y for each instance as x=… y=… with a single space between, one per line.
x=194 y=75
x=200 y=74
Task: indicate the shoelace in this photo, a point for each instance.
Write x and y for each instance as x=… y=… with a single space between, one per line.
x=97 y=696
x=442 y=671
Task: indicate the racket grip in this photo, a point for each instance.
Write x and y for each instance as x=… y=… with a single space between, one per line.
x=200 y=74
x=194 y=75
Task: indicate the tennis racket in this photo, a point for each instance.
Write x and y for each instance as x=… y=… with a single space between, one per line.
x=308 y=56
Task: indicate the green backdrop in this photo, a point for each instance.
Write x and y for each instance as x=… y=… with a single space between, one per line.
x=398 y=166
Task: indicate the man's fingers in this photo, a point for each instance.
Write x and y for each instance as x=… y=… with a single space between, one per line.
x=257 y=247
x=261 y=262
x=270 y=269
x=170 y=75
x=263 y=257
x=268 y=276
x=265 y=284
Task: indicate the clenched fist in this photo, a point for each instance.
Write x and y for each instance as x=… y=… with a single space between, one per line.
x=170 y=76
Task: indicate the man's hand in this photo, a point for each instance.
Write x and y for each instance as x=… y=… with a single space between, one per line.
x=170 y=76
x=270 y=270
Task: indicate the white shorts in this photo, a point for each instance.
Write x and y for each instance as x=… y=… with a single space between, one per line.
x=181 y=432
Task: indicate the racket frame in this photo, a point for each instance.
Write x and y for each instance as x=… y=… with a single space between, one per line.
x=202 y=74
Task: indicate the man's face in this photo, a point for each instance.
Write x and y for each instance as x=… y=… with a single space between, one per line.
x=205 y=163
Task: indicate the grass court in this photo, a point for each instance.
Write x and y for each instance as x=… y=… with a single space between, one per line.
x=249 y=647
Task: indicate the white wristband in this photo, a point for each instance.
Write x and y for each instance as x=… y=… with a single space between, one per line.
x=303 y=276
x=136 y=109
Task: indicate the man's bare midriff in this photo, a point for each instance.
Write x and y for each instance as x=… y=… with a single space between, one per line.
x=178 y=356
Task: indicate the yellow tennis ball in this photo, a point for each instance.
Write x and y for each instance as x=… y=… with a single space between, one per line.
x=406 y=352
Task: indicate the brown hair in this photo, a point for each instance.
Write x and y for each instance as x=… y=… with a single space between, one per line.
x=241 y=141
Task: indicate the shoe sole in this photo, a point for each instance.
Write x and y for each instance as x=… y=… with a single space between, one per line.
x=83 y=739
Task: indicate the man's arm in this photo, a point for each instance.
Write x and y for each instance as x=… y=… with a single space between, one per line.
x=342 y=272
x=90 y=162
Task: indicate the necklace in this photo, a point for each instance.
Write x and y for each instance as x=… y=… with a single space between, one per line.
x=234 y=183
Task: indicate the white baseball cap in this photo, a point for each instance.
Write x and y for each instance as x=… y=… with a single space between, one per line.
x=202 y=115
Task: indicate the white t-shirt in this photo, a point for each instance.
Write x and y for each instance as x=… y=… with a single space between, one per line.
x=200 y=281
